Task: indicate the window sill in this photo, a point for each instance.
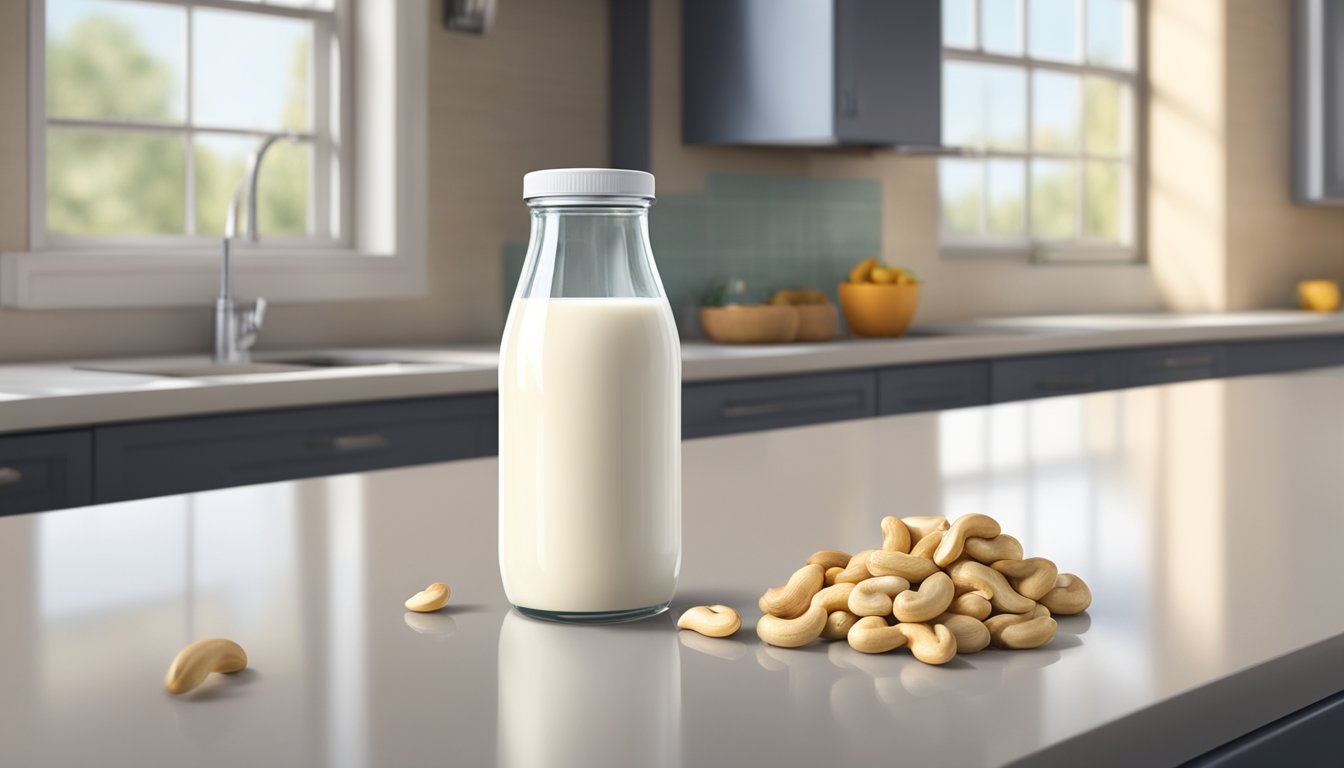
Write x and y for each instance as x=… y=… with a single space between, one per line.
x=122 y=279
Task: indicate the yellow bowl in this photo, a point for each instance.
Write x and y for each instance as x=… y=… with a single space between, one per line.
x=878 y=310
x=750 y=324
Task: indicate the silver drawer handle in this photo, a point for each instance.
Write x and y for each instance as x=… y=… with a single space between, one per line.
x=803 y=404
x=353 y=443
x=1189 y=361
x=10 y=476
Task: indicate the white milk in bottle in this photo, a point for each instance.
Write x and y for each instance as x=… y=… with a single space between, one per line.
x=590 y=408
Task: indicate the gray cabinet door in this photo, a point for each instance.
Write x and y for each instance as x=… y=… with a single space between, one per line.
x=912 y=388
x=1280 y=355
x=888 y=72
x=45 y=471
x=1308 y=737
x=1164 y=365
x=747 y=405
x=184 y=455
x=1025 y=378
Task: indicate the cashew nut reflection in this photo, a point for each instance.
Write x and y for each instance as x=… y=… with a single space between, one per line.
x=719 y=647
x=439 y=626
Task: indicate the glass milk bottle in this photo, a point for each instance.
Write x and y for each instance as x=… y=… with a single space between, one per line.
x=589 y=408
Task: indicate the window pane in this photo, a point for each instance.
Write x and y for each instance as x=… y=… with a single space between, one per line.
x=115 y=183
x=119 y=60
x=1001 y=26
x=1006 y=211
x=1105 y=210
x=1054 y=199
x=1054 y=29
x=1054 y=105
x=251 y=71
x=1110 y=33
x=1107 y=116
x=282 y=188
x=984 y=106
x=959 y=193
x=959 y=23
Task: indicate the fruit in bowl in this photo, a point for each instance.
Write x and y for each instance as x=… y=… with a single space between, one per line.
x=879 y=299
x=817 y=316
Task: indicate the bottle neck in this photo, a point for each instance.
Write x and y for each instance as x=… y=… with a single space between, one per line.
x=590 y=248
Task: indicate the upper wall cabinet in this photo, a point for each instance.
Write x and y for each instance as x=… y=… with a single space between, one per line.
x=812 y=72
x=1318 y=109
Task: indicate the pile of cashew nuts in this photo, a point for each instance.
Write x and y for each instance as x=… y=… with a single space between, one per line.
x=937 y=588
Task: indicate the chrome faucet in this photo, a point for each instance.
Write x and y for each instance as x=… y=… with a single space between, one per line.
x=236 y=331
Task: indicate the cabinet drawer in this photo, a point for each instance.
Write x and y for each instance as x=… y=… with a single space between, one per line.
x=1047 y=376
x=720 y=408
x=183 y=455
x=1168 y=364
x=48 y=471
x=1274 y=356
x=907 y=389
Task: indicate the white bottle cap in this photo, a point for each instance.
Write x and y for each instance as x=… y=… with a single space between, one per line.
x=587 y=182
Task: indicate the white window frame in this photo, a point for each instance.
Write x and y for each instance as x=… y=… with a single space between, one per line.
x=381 y=254
x=1079 y=250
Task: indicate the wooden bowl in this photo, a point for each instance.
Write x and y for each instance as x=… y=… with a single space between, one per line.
x=750 y=324
x=878 y=310
x=817 y=322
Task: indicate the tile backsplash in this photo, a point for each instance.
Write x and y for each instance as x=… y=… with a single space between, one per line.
x=770 y=232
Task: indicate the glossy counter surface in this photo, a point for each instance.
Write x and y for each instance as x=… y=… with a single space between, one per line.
x=1205 y=516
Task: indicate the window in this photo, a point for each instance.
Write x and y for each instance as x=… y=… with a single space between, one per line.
x=1044 y=95
x=142 y=117
x=153 y=109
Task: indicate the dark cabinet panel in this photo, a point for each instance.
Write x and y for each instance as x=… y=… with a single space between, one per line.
x=183 y=455
x=747 y=405
x=45 y=471
x=1164 y=365
x=1024 y=378
x=1278 y=355
x=907 y=389
x=1311 y=736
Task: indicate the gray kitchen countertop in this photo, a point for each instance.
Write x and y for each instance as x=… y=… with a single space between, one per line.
x=51 y=395
x=1204 y=515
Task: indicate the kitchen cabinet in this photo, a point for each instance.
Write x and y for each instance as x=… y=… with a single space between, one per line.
x=1280 y=355
x=45 y=471
x=908 y=389
x=1053 y=375
x=1306 y=737
x=749 y=405
x=1318 y=132
x=182 y=455
x=1165 y=365
x=812 y=72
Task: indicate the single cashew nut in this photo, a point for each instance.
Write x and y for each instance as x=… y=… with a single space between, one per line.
x=932 y=599
x=966 y=526
x=856 y=570
x=872 y=597
x=988 y=551
x=931 y=645
x=835 y=597
x=971 y=604
x=1069 y=596
x=838 y=624
x=195 y=663
x=831 y=573
x=429 y=599
x=972 y=635
x=829 y=558
x=911 y=568
x=795 y=632
x=711 y=620
x=1031 y=578
x=1020 y=632
x=978 y=577
x=791 y=600
x=925 y=547
x=922 y=526
x=871 y=634
x=895 y=536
